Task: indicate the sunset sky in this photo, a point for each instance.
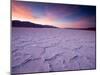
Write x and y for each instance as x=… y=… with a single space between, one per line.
x=59 y=15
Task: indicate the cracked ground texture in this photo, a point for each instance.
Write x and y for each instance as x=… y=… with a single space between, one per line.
x=50 y=49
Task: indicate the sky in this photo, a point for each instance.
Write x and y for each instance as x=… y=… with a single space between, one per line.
x=59 y=15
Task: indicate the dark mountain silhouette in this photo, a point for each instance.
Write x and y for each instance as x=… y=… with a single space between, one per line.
x=92 y=28
x=17 y=23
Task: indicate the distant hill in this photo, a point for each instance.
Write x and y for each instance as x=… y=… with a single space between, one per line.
x=17 y=23
x=92 y=29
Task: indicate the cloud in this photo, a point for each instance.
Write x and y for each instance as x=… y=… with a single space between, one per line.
x=83 y=22
x=63 y=16
x=21 y=12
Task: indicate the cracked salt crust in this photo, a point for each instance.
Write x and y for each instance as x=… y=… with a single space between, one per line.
x=51 y=49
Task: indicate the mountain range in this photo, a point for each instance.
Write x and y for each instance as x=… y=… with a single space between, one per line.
x=17 y=23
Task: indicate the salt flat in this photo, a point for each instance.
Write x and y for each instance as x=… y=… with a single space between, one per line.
x=51 y=49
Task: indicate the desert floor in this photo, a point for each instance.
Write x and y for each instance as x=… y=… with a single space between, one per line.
x=51 y=49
